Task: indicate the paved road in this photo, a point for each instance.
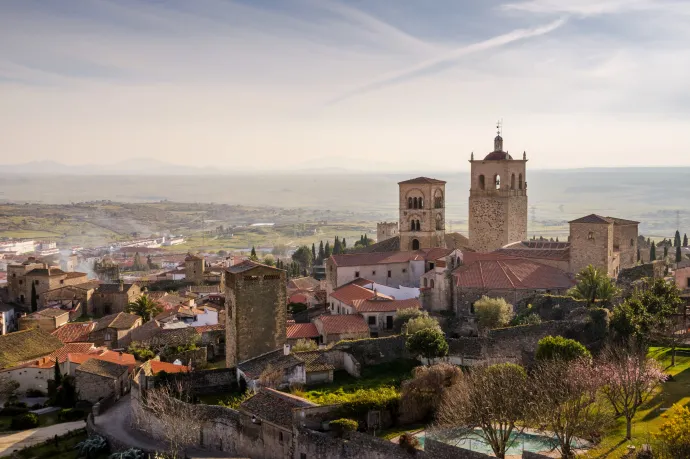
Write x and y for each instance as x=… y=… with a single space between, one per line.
x=19 y=440
x=117 y=423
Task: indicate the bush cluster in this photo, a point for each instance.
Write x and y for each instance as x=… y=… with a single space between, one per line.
x=361 y=401
x=24 y=421
x=342 y=425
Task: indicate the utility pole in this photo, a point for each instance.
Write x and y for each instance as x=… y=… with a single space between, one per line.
x=203 y=233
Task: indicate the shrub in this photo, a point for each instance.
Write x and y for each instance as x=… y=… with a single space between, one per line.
x=493 y=312
x=674 y=433
x=304 y=344
x=71 y=414
x=35 y=393
x=342 y=425
x=428 y=343
x=361 y=401
x=141 y=353
x=131 y=453
x=405 y=315
x=528 y=319
x=24 y=421
x=36 y=406
x=92 y=447
x=13 y=411
x=559 y=348
x=296 y=308
x=421 y=395
x=419 y=323
x=409 y=442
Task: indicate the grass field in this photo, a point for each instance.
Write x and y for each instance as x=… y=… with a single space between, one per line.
x=648 y=419
x=63 y=450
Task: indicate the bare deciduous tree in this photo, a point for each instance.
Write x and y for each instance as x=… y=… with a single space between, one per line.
x=630 y=378
x=421 y=395
x=180 y=421
x=567 y=402
x=271 y=377
x=491 y=401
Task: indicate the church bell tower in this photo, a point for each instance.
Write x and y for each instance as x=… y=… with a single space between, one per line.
x=498 y=199
x=422 y=220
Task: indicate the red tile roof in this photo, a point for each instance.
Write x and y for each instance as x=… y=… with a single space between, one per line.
x=297 y=298
x=207 y=328
x=299 y=331
x=592 y=218
x=157 y=366
x=62 y=353
x=108 y=356
x=384 y=305
x=343 y=323
x=426 y=180
x=511 y=274
x=74 y=332
x=351 y=292
x=537 y=249
x=376 y=258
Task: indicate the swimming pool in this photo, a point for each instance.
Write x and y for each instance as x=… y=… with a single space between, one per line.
x=524 y=441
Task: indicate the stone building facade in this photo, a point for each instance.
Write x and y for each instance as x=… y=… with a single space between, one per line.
x=42 y=277
x=99 y=379
x=422 y=217
x=194 y=268
x=386 y=230
x=498 y=200
x=256 y=311
x=606 y=243
x=113 y=298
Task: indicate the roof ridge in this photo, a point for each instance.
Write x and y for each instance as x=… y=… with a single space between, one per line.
x=506 y=274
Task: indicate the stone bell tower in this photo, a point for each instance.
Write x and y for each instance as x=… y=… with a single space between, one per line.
x=422 y=213
x=498 y=199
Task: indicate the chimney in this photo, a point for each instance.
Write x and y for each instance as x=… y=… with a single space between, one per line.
x=122 y=286
x=286 y=349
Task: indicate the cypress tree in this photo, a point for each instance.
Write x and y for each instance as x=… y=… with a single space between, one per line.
x=679 y=256
x=34 y=298
x=676 y=239
x=322 y=253
x=685 y=240
x=57 y=376
x=327 y=250
x=313 y=251
x=253 y=254
x=337 y=248
x=652 y=253
x=665 y=251
x=343 y=246
x=638 y=253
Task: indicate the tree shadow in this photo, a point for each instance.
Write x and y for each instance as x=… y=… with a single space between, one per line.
x=672 y=392
x=612 y=449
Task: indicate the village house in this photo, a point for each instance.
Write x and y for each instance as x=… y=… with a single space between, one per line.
x=76 y=332
x=99 y=379
x=47 y=320
x=31 y=275
x=682 y=275
x=74 y=359
x=318 y=369
x=278 y=368
x=114 y=331
x=379 y=312
x=79 y=296
x=334 y=328
x=25 y=346
x=114 y=298
x=296 y=332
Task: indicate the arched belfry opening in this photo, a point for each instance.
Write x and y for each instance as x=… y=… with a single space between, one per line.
x=482 y=182
x=512 y=182
x=415 y=244
x=497 y=181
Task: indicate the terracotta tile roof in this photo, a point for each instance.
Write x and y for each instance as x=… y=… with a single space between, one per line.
x=425 y=180
x=157 y=366
x=457 y=241
x=388 y=245
x=25 y=345
x=376 y=258
x=537 y=249
x=593 y=218
x=125 y=359
x=511 y=274
x=384 y=305
x=274 y=407
x=209 y=328
x=74 y=332
x=299 y=331
x=622 y=221
x=102 y=368
x=248 y=265
x=119 y=321
x=361 y=281
x=297 y=298
x=436 y=253
x=343 y=323
x=62 y=353
x=74 y=274
x=314 y=361
x=49 y=312
x=348 y=293
x=277 y=360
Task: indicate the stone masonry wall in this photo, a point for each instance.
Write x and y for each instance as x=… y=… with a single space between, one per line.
x=374 y=351
x=428 y=235
x=591 y=244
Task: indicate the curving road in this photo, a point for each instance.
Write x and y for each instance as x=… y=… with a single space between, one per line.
x=18 y=440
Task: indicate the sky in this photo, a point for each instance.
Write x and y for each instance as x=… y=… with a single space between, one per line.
x=399 y=85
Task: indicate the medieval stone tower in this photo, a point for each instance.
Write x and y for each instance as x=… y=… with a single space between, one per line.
x=422 y=213
x=386 y=230
x=498 y=199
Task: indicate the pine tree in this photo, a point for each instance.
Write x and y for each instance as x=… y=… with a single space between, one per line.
x=327 y=250
x=57 y=377
x=679 y=256
x=34 y=298
x=313 y=251
x=676 y=239
x=652 y=253
x=685 y=240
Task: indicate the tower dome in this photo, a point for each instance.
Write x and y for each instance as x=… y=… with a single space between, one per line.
x=498 y=154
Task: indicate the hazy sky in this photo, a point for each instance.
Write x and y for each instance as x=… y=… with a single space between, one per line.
x=374 y=84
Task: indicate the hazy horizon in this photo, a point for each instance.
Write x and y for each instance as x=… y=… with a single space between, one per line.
x=400 y=85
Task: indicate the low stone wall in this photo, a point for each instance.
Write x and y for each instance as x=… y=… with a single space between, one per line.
x=198 y=357
x=550 y=307
x=375 y=351
x=205 y=381
x=439 y=450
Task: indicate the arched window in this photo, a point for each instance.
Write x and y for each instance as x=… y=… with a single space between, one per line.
x=415 y=203
x=415 y=244
x=512 y=182
x=439 y=222
x=482 y=185
x=421 y=203
x=497 y=180
x=431 y=283
x=425 y=283
x=438 y=199
x=409 y=203
x=520 y=181
x=412 y=225
x=418 y=226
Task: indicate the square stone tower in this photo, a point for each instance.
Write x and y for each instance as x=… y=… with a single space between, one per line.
x=386 y=230
x=194 y=267
x=422 y=213
x=498 y=200
x=256 y=311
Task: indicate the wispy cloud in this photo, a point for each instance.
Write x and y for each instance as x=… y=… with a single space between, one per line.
x=449 y=59
x=585 y=8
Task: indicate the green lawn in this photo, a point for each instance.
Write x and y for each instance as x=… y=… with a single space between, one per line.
x=648 y=419
x=64 y=450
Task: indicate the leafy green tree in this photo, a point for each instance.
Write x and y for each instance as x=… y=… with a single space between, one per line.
x=492 y=312
x=303 y=256
x=145 y=307
x=594 y=286
x=679 y=255
x=327 y=251
x=652 y=253
x=405 y=315
x=419 y=323
x=34 y=298
x=252 y=255
x=428 y=343
x=560 y=348
x=269 y=260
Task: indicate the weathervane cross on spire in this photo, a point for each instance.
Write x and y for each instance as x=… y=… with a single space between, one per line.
x=499 y=126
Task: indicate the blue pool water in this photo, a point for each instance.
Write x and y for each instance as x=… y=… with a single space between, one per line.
x=520 y=441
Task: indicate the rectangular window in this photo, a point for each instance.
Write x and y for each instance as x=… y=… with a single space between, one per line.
x=688 y=282
x=280 y=437
x=373 y=273
x=356 y=273
x=404 y=270
x=372 y=320
x=389 y=273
